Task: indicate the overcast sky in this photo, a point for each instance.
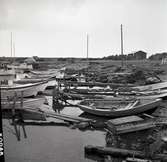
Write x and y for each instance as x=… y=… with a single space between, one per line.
x=58 y=28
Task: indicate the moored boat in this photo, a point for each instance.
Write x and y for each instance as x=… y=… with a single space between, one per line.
x=25 y=90
x=155 y=86
x=118 y=108
x=51 y=82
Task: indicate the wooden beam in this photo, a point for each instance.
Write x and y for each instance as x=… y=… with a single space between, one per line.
x=118 y=152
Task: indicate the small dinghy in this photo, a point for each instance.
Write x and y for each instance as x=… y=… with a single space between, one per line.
x=118 y=108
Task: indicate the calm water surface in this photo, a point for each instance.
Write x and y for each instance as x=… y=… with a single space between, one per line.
x=50 y=143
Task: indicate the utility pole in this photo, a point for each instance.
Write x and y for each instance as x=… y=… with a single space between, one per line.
x=121 y=45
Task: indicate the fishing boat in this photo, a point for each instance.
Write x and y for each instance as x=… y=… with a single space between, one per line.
x=33 y=103
x=25 y=90
x=51 y=82
x=118 y=108
x=9 y=88
x=155 y=86
x=22 y=66
x=107 y=93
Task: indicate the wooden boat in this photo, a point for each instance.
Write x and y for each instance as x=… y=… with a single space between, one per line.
x=109 y=94
x=29 y=80
x=33 y=103
x=155 y=86
x=22 y=66
x=99 y=84
x=51 y=82
x=118 y=108
x=139 y=95
x=26 y=90
x=8 y=89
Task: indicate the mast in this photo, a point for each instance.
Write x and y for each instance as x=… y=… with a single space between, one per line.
x=13 y=51
x=11 y=45
x=121 y=45
x=87 y=53
x=87 y=46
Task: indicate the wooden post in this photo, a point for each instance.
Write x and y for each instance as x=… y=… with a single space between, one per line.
x=53 y=97
x=21 y=116
x=13 y=118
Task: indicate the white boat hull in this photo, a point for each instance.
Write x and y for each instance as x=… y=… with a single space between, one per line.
x=26 y=90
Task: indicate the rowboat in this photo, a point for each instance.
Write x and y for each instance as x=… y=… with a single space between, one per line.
x=118 y=108
x=32 y=103
x=25 y=90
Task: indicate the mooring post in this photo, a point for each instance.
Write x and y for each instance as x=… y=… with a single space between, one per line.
x=21 y=116
x=53 y=96
x=13 y=118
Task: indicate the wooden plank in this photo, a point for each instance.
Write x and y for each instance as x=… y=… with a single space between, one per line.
x=134 y=128
x=65 y=117
x=75 y=118
x=149 y=116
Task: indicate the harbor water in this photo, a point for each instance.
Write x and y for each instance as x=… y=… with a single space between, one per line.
x=64 y=143
x=50 y=143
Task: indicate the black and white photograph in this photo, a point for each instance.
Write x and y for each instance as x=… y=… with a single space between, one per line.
x=83 y=80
